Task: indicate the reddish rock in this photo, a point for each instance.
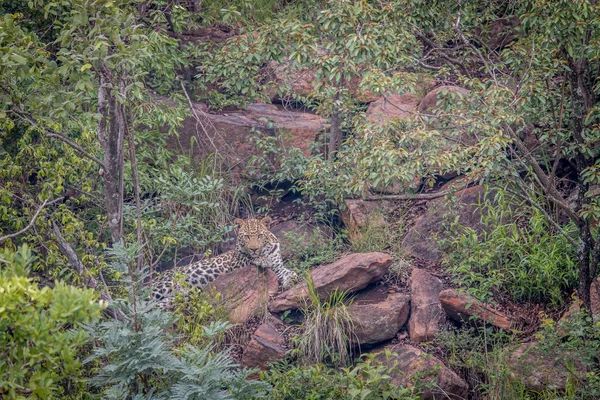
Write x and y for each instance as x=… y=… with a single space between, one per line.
x=425 y=309
x=230 y=133
x=410 y=366
x=392 y=106
x=378 y=316
x=433 y=99
x=541 y=371
x=422 y=239
x=461 y=307
x=245 y=292
x=360 y=214
x=265 y=346
x=293 y=81
x=349 y=274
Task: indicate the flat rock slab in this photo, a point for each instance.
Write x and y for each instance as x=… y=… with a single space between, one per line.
x=246 y=292
x=350 y=274
x=541 y=371
x=378 y=316
x=425 y=309
x=417 y=368
x=392 y=106
x=461 y=307
x=265 y=346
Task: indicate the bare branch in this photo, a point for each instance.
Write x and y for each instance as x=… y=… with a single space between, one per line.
x=67 y=250
x=53 y=134
x=421 y=196
x=30 y=224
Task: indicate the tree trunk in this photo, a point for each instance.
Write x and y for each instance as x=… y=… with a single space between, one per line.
x=335 y=133
x=111 y=134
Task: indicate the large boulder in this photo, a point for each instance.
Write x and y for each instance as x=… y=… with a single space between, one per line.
x=392 y=106
x=245 y=292
x=422 y=239
x=462 y=307
x=539 y=370
x=435 y=98
x=349 y=274
x=266 y=345
x=414 y=367
x=230 y=133
x=425 y=309
x=378 y=316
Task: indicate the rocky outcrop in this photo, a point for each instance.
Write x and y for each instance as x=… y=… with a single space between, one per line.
x=266 y=345
x=413 y=367
x=541 y=371
x=392 y=106
x=462 y=307
x=378 y=316
x=360 y=213
x=435 y=98
x=422 y=239
x=245 y=292
x=425 y=308
x=230 y=133
x=350 y=274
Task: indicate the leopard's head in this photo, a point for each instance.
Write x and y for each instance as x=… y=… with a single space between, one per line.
x=253 y=235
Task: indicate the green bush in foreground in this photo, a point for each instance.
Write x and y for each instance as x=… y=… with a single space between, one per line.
x=41 y=331
x=368 y=380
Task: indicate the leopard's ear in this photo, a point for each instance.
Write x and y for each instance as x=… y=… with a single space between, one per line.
x=266 y=221
x=238 y=222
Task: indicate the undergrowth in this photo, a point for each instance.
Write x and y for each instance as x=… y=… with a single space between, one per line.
x=518 y=254
x=328 y=328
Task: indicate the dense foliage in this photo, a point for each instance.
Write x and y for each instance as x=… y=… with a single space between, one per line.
x=97 y=190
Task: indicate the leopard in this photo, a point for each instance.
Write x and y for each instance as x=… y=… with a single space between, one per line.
x=256 y=245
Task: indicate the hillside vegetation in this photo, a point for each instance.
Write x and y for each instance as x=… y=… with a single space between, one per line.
x=430 y=168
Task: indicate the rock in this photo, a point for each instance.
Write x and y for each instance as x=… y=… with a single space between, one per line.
x=245 y=292
x=230 y=133
x=425 y=308
x=378 y=316
x=392 y=106
x=461 y=306
x=349 y=274
x=306 y=233
x=502 y=31
x=595 y=299
x=433 y=99
x=422 y=239
x=298 y=82
x=265 y=346
x=540 y=371
x=417 y=368
x=359 y=214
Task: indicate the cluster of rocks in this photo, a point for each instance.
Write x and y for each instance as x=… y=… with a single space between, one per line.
x=379 y=315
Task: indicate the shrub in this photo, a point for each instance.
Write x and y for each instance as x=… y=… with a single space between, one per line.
x=312 y=250
x=368 y=380
x=518 y=253
x=141 y=358
x=41 y=331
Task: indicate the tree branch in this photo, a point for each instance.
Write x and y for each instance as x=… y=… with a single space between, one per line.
x=422 y=196
x=30 y=224
x=67 y=250
x=53 y=134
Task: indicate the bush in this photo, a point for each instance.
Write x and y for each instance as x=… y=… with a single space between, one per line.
x=308 y=251
x=368 y=380
x=141 y=358
x=518 y=253
x=41 y=331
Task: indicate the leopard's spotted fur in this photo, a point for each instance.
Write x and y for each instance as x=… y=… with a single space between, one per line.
x=256 y=245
